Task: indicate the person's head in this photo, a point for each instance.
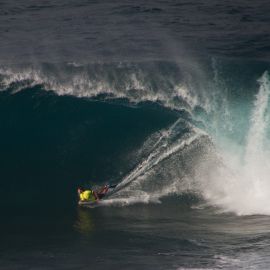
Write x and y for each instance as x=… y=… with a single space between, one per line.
x=80 y=190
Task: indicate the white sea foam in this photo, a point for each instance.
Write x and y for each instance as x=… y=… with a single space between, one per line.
x=244 y=187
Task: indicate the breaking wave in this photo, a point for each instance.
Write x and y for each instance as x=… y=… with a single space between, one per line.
x=217 y=149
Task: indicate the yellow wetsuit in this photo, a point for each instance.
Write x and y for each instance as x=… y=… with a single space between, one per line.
x=87 y=195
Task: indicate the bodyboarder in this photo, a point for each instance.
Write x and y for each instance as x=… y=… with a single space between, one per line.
x=90 y=195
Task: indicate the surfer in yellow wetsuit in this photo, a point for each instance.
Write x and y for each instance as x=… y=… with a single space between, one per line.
x=87 y=195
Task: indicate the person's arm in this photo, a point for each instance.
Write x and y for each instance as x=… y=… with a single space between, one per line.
x=79 y=194
x=104 y=189
x=96 y=196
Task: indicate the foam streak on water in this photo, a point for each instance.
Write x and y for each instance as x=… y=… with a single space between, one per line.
x=167 y=146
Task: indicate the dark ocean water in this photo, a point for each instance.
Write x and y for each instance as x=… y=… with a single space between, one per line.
x=168 y=99
x=100 y=31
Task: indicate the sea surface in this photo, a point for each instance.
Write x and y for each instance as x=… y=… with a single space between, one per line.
x=167 y=99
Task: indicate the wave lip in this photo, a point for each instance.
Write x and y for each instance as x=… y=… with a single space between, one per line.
x=164 y=82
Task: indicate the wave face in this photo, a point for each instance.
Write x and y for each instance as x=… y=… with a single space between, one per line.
x=156 y=128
